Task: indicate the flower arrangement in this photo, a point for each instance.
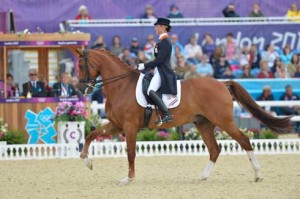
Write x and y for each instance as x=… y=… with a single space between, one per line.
x=67 y=111
x=3 y=128
x=192 y=134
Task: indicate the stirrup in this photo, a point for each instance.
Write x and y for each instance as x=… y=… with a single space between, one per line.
x=165 y=119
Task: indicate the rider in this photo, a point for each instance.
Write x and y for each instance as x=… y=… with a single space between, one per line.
x=164 y=75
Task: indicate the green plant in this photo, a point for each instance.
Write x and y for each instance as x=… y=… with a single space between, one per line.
x=14 y=137
x=147 y=135
x=173 y=135
x=192 y=134
x=268 y=134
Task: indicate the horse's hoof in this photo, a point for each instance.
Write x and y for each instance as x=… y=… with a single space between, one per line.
x=258 y=179
x=88 y=163
x=125 y=181
x=203 y=178
x=83 y=155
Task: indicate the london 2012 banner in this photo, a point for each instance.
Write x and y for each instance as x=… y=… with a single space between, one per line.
x=246 y=34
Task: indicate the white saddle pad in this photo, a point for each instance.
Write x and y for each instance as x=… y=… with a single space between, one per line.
x=171 y=101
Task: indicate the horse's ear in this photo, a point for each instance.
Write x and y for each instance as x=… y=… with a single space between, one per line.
x=79 y=52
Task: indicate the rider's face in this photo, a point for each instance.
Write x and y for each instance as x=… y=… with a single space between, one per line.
x=159 y=29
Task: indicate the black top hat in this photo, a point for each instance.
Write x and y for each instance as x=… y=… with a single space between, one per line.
x=163 y=21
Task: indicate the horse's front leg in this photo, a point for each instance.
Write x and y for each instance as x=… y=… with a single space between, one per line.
x=106 y=130
x=130 y=133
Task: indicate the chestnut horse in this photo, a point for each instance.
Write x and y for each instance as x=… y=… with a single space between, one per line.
x=206 y=102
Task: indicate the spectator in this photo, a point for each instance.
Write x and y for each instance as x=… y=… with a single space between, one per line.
x=264 y=70
x=63 y=88
x=192 y=48
x=182 y=67
x=149 y=13
x=230 y=49
x=135 y=47
x=286 y=55
x=116 y=47
x=269 y=55
x=293 y=12
x=267 y=95
x=75 y=84
x=245 y=55
x=215 y=57
x=34 y=88
x=192 y=73
x=281 y=72
x=297 y=73
x=149 y=47
x=83 y=13
x=175 y=42
x=10 y=86
x=195 y=60
x=208 y=44
x=290 y=110
x=295 y=62
x=141 y=58
x=229 y=11
x=125 y=56
x=204 y=69
x=254 y=57
x=174 y=12
x=175 y=57
x=276 y=65
x=228 y=73
x=256 y=12
x=219 y=67
x=99 y=43
x=246 y=71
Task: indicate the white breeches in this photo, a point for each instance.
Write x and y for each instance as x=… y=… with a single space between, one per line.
x=155 y=82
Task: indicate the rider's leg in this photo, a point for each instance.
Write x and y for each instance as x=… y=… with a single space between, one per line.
x=153 y=87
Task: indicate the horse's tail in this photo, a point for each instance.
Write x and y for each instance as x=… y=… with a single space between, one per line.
x=278 y=125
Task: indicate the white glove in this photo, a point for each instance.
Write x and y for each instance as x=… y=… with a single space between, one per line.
x=141 y=66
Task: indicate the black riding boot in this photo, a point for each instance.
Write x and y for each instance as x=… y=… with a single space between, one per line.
x=167 y=117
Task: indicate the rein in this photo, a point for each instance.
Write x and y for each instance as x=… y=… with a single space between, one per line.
x=90 y=83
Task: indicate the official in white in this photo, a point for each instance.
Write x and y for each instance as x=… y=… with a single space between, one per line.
x=164 y=77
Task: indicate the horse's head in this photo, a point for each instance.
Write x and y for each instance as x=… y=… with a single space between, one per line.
x=88 y=72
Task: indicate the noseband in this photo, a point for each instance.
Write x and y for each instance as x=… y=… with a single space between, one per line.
x=89 y=82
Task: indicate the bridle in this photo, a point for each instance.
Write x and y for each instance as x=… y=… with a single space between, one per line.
x=90 y=82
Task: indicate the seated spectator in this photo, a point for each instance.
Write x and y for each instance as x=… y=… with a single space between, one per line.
x=192 y=73
x=215 y=57
x=149 y=47
x=75 y=84
x=174 y=12
x=230 y=49
x=116 y=47
x=286 y=55
x=195 y=60
x=244 y=55
x=175 y=42
x=267 y=95
x=99 y=43
x=219 y=67
x=246 y=71
x=281 y=72
x=149 y=13
x=256 y=12
x=181 y=68
x=293 y=12
x=276 y=65
x=208 y=44
x=175 y=57
x=269 y=55
x=204 y=69
x=228 y=73
x=264 y=70
x=290 y=110
x=192 y=48
x=229 y=11
x=83 y=13
x=297 y=73
x=33 y=88
x=10 y=86
x=135 y=47
x=63 y=88
x=141 y=58
x=295 y=62
x=254 y=57
x=125 y=56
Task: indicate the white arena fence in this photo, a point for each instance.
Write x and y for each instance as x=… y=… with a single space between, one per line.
x=157 y=148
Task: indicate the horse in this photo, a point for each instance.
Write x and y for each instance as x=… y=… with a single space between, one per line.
x=206 y=102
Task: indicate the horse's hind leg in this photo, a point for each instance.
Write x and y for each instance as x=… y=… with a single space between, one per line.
x=206 y=128
x=243 y=140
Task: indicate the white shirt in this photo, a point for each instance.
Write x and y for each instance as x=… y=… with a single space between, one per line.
x=191 y=50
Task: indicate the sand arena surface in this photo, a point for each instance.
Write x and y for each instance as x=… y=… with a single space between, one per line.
x=157 y=177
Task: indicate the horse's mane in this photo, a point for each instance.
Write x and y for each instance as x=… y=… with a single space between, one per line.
x=116 y=59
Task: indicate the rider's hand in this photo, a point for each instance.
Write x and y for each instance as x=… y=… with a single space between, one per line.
x=141 y=66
